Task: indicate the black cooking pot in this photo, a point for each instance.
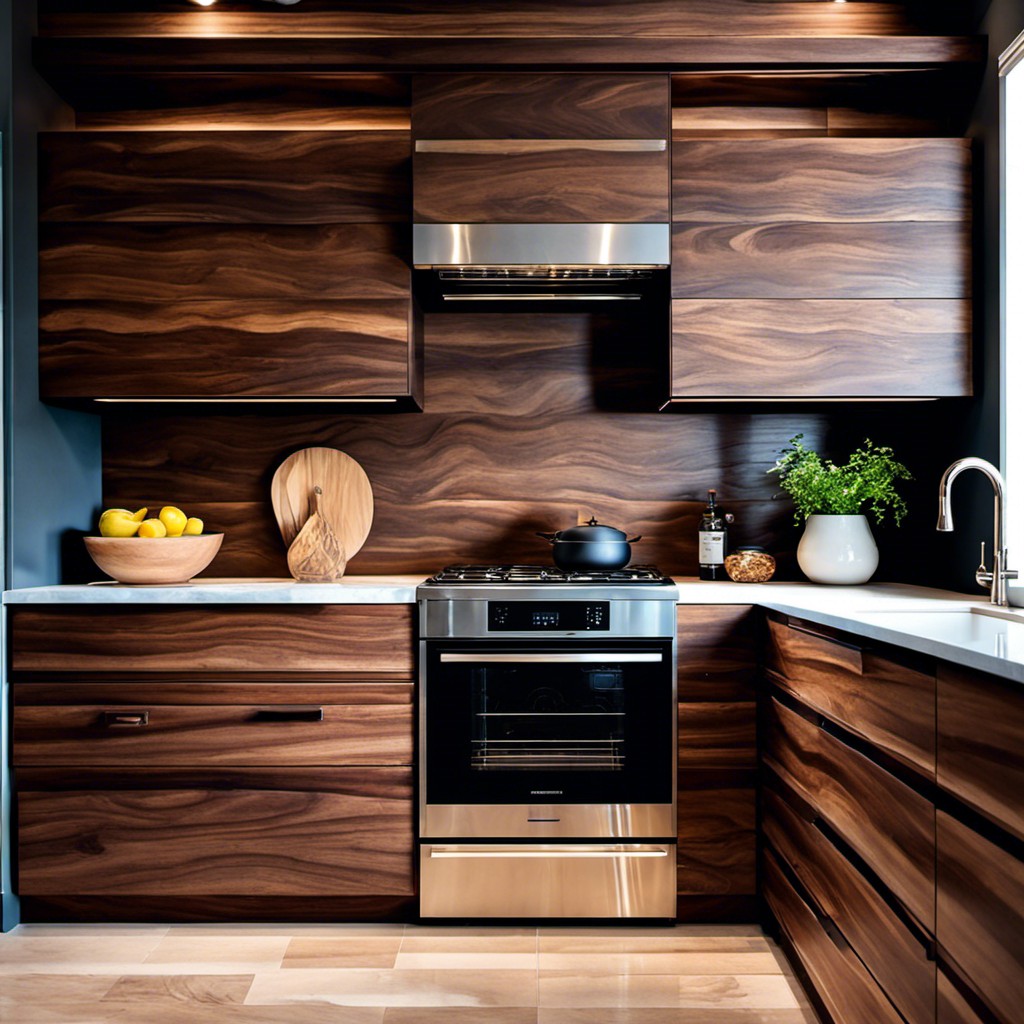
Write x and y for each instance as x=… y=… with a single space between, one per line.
x=589 y=547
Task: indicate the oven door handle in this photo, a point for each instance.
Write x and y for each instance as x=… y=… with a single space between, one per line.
x=516 y=852
x=579 y=658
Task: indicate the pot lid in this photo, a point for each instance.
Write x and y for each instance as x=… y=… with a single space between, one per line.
x=590 y=531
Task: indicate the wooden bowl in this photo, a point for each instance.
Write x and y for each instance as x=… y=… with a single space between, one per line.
x=153 y=560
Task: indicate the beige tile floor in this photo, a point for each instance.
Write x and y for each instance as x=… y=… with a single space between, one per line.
x=394 y=974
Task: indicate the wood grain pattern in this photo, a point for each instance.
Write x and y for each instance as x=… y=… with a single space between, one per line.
x=237 y=842
x=847 y=989
x=981 y=744
x=889 y=703
x=757 y=348
x=159 y=263
x=217 y=349
x=74 y=59
x=687 y=119
x=821 y=180
x=226 y=177
x=718 y=652
x=951 y=1007
x=78 y=736
x=896 y=838
x=560 y=186
x=532 y=106
x=980 y=914
x=515 y=18
x=287 y=639
x=717 y=852
x=896 y=959
x=834 y=260
x=211 y=102
x=714 y=735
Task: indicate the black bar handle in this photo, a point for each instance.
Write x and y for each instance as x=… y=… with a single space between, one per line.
x=289 y=713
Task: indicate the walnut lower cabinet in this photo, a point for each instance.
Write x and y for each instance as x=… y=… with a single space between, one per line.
x=281 y=786
x=891 y=820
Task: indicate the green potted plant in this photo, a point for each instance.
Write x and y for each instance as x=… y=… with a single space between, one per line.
x=837 y=545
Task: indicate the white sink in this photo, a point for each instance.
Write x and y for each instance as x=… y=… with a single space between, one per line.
x=995 y=631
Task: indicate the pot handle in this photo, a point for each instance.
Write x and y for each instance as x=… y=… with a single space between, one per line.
x=635 y=539
x=547 y=536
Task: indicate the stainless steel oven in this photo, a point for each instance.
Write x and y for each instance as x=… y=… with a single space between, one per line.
x=547 y=746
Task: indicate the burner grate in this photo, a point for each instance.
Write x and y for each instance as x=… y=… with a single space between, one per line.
x=543 y=574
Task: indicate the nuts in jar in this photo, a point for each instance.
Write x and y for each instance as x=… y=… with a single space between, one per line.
x=750 y=565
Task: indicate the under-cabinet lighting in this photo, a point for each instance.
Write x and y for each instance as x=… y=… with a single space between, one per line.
x=247 y=401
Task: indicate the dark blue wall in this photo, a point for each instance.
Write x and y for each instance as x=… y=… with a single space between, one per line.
x=52 y=455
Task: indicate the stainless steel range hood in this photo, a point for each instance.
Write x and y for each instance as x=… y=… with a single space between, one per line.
x=542 y=262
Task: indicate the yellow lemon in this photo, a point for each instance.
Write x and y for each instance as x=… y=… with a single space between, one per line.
x=140 y=515
x=173 y=519
x=193 y=527
x=118 y=522
x=152 y=528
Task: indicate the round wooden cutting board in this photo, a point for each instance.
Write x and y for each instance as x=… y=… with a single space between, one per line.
x=346 y=503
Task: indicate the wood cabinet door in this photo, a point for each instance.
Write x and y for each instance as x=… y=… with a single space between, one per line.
x=889 y=702
x=981 y=744
x=540 y=148
x=896 y=956
x=290 y=640
x=717 y=833
x=980 y=914
x=885 y=821
x=149 y=733
x=226 y=265
x=841 y=980
x=304 y=832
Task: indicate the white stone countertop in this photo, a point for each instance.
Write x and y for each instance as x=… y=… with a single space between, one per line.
x=943 y=624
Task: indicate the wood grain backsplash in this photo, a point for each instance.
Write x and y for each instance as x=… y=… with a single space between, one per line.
x=529 y=421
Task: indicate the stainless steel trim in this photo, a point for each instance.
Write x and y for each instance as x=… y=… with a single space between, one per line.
x=1011 y=56
x=569 y=851
x=542 y=821
x=549 y=245
x=490 y=881
x=579 y=657
x=511 y=146
x=540 y=297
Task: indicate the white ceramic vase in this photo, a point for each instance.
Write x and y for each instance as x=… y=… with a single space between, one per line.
x=837 y=549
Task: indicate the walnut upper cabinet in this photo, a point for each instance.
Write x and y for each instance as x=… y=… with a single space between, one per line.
x=226 y=265
x=540 y=148
x=826 y=267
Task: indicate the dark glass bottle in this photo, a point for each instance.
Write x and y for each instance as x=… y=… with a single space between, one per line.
x=712 y=540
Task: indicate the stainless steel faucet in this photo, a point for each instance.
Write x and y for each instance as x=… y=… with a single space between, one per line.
x=996 y=579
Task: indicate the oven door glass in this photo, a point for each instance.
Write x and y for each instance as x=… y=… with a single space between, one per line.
x=556 y=722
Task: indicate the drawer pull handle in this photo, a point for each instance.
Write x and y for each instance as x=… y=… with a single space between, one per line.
x=125 y=719
x=289 y=713
x=828 y=639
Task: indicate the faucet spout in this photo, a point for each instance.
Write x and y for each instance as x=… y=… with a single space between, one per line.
x=1000 y=574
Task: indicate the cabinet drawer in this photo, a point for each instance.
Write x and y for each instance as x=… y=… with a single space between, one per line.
x=349 y=833
x=981 y=756
x=283 y=639
x=157 y=735
x=888 y=948
x=841 y=980
x=890 y=704
x=980 y=915
x=890 y=825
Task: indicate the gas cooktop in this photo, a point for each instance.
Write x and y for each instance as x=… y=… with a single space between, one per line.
x=539 y=575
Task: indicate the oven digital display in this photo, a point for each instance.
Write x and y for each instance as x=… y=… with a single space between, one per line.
x=538 y=616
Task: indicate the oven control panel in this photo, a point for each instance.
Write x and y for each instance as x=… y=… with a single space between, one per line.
x=539 y=616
